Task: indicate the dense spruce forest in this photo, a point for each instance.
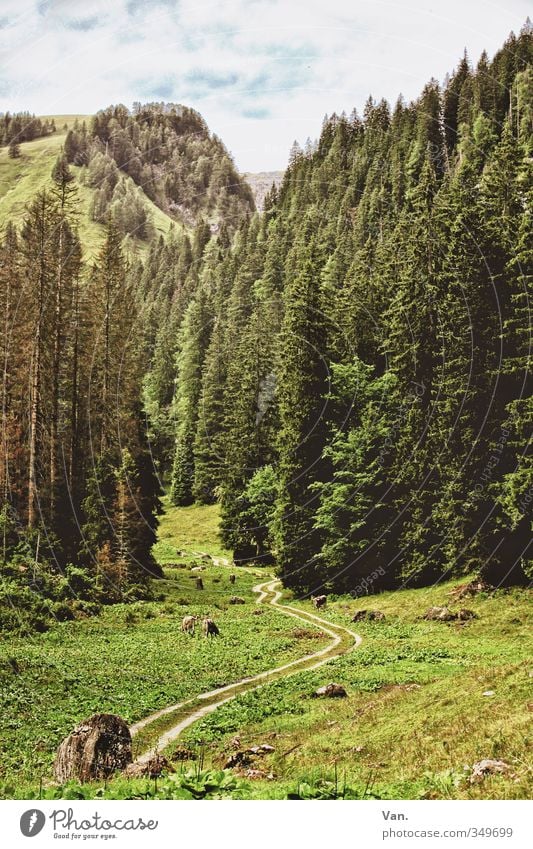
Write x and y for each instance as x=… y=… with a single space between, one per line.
x=345 y=373
x=22 y=126
x=79 y=492
x=351 y=372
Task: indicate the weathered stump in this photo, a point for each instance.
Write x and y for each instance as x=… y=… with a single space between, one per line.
x=96 y=748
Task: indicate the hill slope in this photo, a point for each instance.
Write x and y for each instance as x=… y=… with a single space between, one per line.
x=22 y=178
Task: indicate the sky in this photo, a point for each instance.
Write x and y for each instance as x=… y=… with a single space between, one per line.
x=262 y=72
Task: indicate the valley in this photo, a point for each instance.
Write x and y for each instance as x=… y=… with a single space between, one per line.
x=265 y=450
x=415 y=716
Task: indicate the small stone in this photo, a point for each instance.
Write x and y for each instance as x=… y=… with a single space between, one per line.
x=257 y=774
x=439 y=614
x=464 y=615
x=151 y=768
x=487 y=767
x=489 y=693
x=331 y=691
x=263 y=749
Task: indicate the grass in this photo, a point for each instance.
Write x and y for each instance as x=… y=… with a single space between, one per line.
x=133 y=659
x=415 y=721
x=416 y=715
x=22 y=178
x=190 y=529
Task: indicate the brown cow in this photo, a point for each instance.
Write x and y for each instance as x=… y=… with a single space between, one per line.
x=319 y=601
x=210 y=629
x=188 y=623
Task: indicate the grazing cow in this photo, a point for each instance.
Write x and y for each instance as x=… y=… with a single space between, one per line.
x=210 y=628
x=319 y=601
x=232 y=579
x=199 y=584
x=188 y=623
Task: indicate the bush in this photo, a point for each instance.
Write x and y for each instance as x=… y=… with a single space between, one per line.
x=62 y=612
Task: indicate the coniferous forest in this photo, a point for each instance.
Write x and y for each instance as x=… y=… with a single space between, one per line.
x=352 y=370
x=346 y=373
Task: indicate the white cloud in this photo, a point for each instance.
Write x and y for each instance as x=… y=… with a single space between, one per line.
x=262 y=72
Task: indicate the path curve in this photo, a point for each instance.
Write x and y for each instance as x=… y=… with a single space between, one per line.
x=267 y=594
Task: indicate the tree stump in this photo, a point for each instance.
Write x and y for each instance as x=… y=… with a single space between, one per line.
x=96 y=748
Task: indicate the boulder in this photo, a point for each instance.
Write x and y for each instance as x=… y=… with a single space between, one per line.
x=152 y=768
x=487 y=767
x=464 y=615
x=96 y=748
x=439 y=614
x=368 y=616
x=235 y=599
x=331 y=691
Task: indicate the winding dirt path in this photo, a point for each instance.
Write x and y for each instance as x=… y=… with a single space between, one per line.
x=191 y=710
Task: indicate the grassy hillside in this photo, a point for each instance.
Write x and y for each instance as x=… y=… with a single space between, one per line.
x=426 y=700
x=22 y=178
x=188 y=529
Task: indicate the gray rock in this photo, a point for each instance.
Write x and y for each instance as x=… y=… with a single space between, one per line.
x=331 y=691
x=487 y=767
x=464 y=615
x=439 y=614
x=151 y=768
